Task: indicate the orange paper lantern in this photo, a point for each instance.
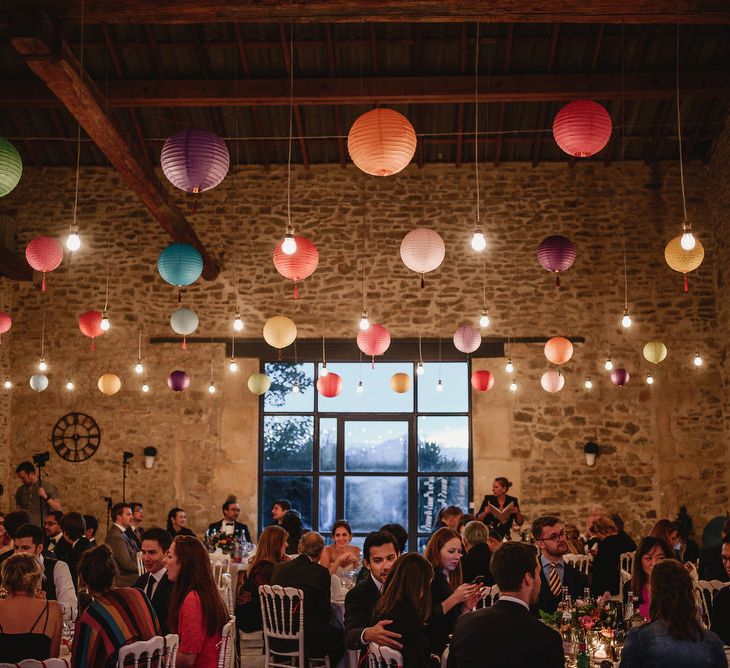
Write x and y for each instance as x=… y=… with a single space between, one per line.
x=558 y=350
x=300 y=264
x=381 y=142
x=400 y=382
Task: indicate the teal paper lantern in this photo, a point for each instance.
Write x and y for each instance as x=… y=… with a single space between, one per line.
x=180 y=264
x=11 y=167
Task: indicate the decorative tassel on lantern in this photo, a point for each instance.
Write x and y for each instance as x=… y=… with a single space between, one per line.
x=375 y=340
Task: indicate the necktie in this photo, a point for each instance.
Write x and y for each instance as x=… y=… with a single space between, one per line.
x=150 y=586
x=554 y=580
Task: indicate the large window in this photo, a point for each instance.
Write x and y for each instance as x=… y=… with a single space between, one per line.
x=369 y=455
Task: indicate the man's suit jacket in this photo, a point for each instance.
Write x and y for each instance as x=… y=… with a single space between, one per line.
x=135 y=535
x=573 y=579
x=82 y=544
x=476 y=562
x=239 y=528
x=61 y=550
x=359 y=604
x=160 y=597
x=504 y=635
x=125 y=554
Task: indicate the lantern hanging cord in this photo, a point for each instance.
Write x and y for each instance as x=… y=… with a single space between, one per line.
x=362 y=262
x=291 y=113
x=484 y=282
x=78 y=125
x=43 y=324
x=476 y=118
x=324 y=356
x=108 y=263
x=139 y=344
x=420 y=351
x=626 y=278
x=679 y=133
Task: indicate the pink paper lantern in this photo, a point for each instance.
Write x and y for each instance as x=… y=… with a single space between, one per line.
x=552 y=381
x=619 y=377
x=422 y=251
x=375 y=340
x=6 y=322
x=90 y=325
x=467 y=339
x=482 y=381
x=300 y=264
x=44 y=254
x=330 y=385
x=582 y=128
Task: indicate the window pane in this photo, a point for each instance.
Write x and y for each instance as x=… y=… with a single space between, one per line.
x=327 y=444
x=373 y=501
x=326 y=504
x=435 y=492
x=455 y=396
x=298 y=489
x=377 y=395
x=281 y=397
x=376 y=446
x=443 y=443
x=288 y=442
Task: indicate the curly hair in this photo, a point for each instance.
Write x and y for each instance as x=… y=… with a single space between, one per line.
x=22 y=573
x=672 y=601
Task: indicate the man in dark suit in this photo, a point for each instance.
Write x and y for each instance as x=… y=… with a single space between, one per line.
x=73 y=527
x=155 y=583
x=379 y=554
x=92 y=525
x=122 y=546
x=230 y=524
x=135 y=526
x=549 y=534
x=55 y=544
x=306 y=573
x=511 y=634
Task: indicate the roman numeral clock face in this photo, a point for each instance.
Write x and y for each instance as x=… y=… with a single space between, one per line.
x=76 y=437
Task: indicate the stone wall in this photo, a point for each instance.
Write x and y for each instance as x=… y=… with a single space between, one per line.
x=661 y=446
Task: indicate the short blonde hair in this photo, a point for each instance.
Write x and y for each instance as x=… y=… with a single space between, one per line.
x=475 y=532
x=22 y=573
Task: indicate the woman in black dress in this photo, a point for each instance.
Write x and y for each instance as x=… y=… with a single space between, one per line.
x=176 y=521
x=499 y=510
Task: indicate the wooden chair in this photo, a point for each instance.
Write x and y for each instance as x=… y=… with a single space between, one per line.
x=229 y=636
x=380 y=656
x=172 y=642
x=140 y=564
x=581 y=562
x=142 y=653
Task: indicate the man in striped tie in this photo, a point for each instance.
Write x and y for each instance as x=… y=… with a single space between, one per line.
x=549 y=534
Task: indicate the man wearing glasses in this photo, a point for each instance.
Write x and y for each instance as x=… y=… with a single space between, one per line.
x=549 y=534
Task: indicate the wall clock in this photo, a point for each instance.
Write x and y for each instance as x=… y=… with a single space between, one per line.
x=76 y=437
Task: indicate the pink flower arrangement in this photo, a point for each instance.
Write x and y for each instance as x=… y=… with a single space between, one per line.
x=587 y=622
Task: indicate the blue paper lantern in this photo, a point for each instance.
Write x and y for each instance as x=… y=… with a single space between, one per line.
x=180 y=264
x=39 y=382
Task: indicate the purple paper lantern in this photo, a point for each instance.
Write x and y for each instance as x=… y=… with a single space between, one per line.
x=556 y=253
x=619 y=377
x=195 y=160
x=178 y=381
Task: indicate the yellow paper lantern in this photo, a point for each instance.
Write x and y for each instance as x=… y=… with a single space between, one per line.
x=109 y=384
x=280 y=331
x=400 y=382
x=381 y=142
x=655 y=352
x=258 y=383
x=682 y=260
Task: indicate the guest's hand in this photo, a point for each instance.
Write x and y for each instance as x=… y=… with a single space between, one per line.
x=381 y=636
x=463 y=592
x=474 y=599
x=347 y=559
x=42 y=493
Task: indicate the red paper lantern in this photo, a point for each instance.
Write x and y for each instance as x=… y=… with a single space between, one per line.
x=6 y=322
x=381 y=142
x=375 y=340
x=329 y=385
x=300 y=264
x=482 y=381
x=90 y=325
x=582 y=128
x=44 y=254
x=558 y=350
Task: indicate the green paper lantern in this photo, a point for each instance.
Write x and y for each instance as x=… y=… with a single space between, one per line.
x=11 y=167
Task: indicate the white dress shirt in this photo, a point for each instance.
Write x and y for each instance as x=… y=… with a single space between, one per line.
x=228 y=527
x=65 y=592
x=513 y=599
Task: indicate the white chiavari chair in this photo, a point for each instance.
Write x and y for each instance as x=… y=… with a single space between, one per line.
x=142 y=654
x=229 y=637
x=581 y=562
x=34 y=663
x=626 y=562
x=140 y=564
x=172 y=642
x=380 y=656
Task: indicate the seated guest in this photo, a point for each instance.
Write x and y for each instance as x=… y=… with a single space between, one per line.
x=555 y=574
x=649 y=553
x=30 y=625
x=628 y=542
x=13 y=521
x=674 y=637
x=177 y=523
x=5 y=540
x=56 y=544
x=135 y=525
x=92 y=526
x=229 y=524
x=499 y=510
x=342 y=554
x=449 y=597
x=712 y=565
x=721 y=607
x=380 y=552
x=574 y=540
x=589 y=538
x=73 y=528
x=606 y=562
x=449 y=517
x=306 y=573
x=290 y=521
x=271 y=550
x=155 y=583
x=404 y=605
x=514 y=637
x=475 y=562
x=399 y=533
x=668 y=531
x=122 y=545
x=114 y=618
x=463 y=521
x=56 y=581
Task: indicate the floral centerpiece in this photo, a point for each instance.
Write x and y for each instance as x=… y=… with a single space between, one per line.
x=588 y=615
x=217 y=540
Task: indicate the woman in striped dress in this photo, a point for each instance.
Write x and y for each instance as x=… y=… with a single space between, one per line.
x=116 y=617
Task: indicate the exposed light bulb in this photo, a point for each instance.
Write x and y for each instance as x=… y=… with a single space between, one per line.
x=211 y=387
x=687 y=242
x=513 y=386
x=509 y=367
x=7 y=384
x=42 y=366
x=439 y=386
x=324 y=370
x=104 y=325
x=232 y=366
x=360 y=387
x=237 y=322
x=608 y=365
x=364 y=321
x=138 y=368
x=484 y=318
x=626 y=320
x=589 y=383
x=697 y=361
x=145 y=387
x=649 y=379
x=289 y=245
x=69 y=385
x=478 y=241
x=420 y=369
x=295 y=388
x=73 y=240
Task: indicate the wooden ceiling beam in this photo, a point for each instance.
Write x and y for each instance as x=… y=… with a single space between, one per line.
x=14 y=266
x=502 y=107
x=38 y=41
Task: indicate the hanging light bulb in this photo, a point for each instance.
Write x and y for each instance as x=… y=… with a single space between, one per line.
x=138 y=368
x=324 y=370
x=478 y=240
x=509 y=367
x=439 y=386
x=237 y=322
x=7 y=384
x=420 y=369
x=588 y=383
x=484 y=318
x=626 y=320
x=360 y=387
x=687 y=242
x=69 y=385
x=697 y=361
x=364 y=320
x=104 y=325
x=608 y=365
x=42 y=366
x=513 y=386
x=232 y=366
x=211 y=387
x=73 y=240
x=649 y=379
x=145 y=387
x=295 y=388
x=289 y=246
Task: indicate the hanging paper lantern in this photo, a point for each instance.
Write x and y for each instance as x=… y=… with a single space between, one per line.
x=422 y=251
x=180 y=264
x=280 y=332
x=195 y=160
x=6 y=322
x=400 y=382
x=619 y=377
x=178 y=381
x=90 y=325
x=329 y=385
x=682 y=260
x=44 y=254
x=582 y=128
x=558 y=350
x=184 y=321
x=655 y=352
x=300 y=264
x=467 y=339
x=109 y=383
x=258 y=383
x=38 y=382
x=482 y=381
x=552 y=381
x=381 y=142
x=11 y=167
x=556 y=253
x=375 y=340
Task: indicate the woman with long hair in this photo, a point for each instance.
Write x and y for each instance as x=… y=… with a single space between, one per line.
x=650 y=552
x=342 y=554
x=176 y=523
x=271 y=550
x=448 y=594
x=405 y=603
x=197 y=611
x=674 y=637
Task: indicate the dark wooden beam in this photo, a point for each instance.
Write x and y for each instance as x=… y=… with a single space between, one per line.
x=37 y=40
x=542 y=109
x=502 y=106
x=56 y=120
x=332 y=60
x=460 y=110
x=14 y=266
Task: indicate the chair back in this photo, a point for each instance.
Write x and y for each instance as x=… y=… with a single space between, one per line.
x=221 y=564
x=581 y=562
x=141 y=654
x=624 y=577
x=282 y=613
x=172 y=642
x=445 y=658
x=489 y=596
x=229 y=636
x=380 y=656
x=140 y=564
x=705 y=596
x=626 y=562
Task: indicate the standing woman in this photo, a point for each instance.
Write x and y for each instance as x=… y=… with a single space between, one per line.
x=197 y=612
x=650 y=552
x=448 y=594
x=176 y=523
x=499 y=510
x=342 y=554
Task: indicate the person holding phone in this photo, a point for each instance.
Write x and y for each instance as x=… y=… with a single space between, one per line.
x=499 y=510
